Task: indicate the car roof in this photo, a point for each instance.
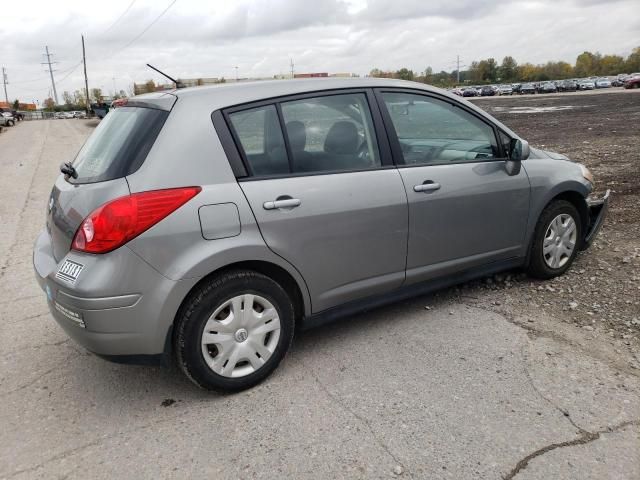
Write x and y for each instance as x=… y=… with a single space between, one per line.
x=227 y=94
x=219 y=96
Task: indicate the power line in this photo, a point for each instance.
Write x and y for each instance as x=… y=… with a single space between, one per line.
x=71 y=70
x=120 y=17
x=134 y=39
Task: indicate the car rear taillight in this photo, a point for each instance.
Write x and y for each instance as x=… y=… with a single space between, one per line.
x=115 y=223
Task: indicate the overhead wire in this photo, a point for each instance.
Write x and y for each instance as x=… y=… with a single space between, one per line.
x=146 y=29
x=120 y=17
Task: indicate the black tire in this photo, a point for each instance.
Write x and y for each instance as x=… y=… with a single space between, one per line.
x=537 y=267
x=199 y=306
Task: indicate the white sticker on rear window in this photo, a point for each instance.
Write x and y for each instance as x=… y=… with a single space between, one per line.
x=69 y=271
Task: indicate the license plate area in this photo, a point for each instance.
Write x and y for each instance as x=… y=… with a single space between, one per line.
x=69 y=272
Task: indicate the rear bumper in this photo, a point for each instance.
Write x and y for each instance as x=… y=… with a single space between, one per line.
x=119 y=308
x=598 y=209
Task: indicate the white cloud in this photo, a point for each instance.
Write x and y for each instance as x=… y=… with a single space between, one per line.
x=201 y=38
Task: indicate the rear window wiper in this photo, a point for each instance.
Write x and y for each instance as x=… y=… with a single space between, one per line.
x=68 y=169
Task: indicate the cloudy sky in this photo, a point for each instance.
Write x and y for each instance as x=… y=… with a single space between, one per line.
x=209 y=38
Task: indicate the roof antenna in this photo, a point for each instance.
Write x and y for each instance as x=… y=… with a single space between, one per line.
x=178 y=83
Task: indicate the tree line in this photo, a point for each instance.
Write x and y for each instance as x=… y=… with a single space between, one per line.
x=488 y=70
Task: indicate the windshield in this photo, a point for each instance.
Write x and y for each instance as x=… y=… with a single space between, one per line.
x=119 y=144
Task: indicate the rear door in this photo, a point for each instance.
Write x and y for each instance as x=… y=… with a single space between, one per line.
x=116 y=148
x=324 y=192
x=465 y=210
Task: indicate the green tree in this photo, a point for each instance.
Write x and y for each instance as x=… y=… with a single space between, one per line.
x=96 y=94
x=68 y=99
x=80 y=98
x=508 y=69
x=404 y=74
x=16 y=104
x=587 y=64
x=632 y=63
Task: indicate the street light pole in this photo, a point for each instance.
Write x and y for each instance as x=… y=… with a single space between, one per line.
x=4 y=81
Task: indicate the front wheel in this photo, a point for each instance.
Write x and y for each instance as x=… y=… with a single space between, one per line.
x=233 y=331
x=556 y=240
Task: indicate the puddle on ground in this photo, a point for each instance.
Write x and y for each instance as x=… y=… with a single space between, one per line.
x=555 y=108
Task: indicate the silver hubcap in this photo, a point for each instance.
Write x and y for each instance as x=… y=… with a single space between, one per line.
x=559 y=241
x=241 y=335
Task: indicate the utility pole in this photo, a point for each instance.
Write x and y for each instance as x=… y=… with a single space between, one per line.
x=458 y=68
x=53 y=83
x=291 y=64
x=86 y=82
x=4 y=81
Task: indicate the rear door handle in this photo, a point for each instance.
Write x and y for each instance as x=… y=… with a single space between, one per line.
x=285 y=203
x=428 y=186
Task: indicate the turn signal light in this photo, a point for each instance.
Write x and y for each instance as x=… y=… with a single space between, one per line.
x=116 y=222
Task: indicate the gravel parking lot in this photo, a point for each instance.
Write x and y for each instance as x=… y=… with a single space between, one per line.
x=494 y=379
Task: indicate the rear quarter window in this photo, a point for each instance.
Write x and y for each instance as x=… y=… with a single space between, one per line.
x=119 y=145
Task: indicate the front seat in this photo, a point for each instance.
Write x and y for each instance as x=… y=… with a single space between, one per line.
x=341 y=147
x=297 y=134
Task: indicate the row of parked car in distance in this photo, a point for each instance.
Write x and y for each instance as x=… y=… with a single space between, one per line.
x=74 y=114
x=554 y=86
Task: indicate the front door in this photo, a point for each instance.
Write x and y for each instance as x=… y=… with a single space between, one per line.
x=464 y=209
x=322 y=195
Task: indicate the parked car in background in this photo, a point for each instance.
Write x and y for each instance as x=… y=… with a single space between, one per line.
x=632 y=82
x=470 y=92
x=504 y=90
x=217 y=261
x=8 y=120
x=602 y=83
x=79 y=114
x=17 y=116
x=529 y=88
x=586 y=85
x=568 y=86
x=548 y=87
x=488 y=91
x=516 y=87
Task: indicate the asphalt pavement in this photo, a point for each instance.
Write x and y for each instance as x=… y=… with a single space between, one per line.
x=429 y=388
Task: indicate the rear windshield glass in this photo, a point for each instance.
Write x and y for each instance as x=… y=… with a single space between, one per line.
x=119 y=144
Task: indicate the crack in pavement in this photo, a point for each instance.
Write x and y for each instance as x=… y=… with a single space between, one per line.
x=507 y=316
x=565 y=413
x=584 y=438
x=357 y=416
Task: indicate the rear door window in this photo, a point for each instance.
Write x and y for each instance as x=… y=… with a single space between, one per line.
x=119 y=145
x=260 y=136
x=332 y=133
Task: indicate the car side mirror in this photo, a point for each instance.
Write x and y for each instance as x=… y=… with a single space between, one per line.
x=518 y=151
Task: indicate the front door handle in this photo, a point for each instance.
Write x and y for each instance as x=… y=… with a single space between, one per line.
x=428 y=186
x=284 y=203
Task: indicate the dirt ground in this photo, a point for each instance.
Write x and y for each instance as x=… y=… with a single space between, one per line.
x=601 y=293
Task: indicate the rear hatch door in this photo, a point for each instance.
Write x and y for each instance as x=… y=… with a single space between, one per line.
x=117 y=148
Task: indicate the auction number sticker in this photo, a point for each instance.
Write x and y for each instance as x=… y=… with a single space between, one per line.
x=69 y=271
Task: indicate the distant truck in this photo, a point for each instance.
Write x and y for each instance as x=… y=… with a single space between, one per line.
x=100 y=109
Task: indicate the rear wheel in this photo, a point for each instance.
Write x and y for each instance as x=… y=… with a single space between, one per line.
x=234 y=331
x=556 y=240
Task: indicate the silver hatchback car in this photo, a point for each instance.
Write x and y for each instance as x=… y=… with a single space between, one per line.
x=208 y=224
